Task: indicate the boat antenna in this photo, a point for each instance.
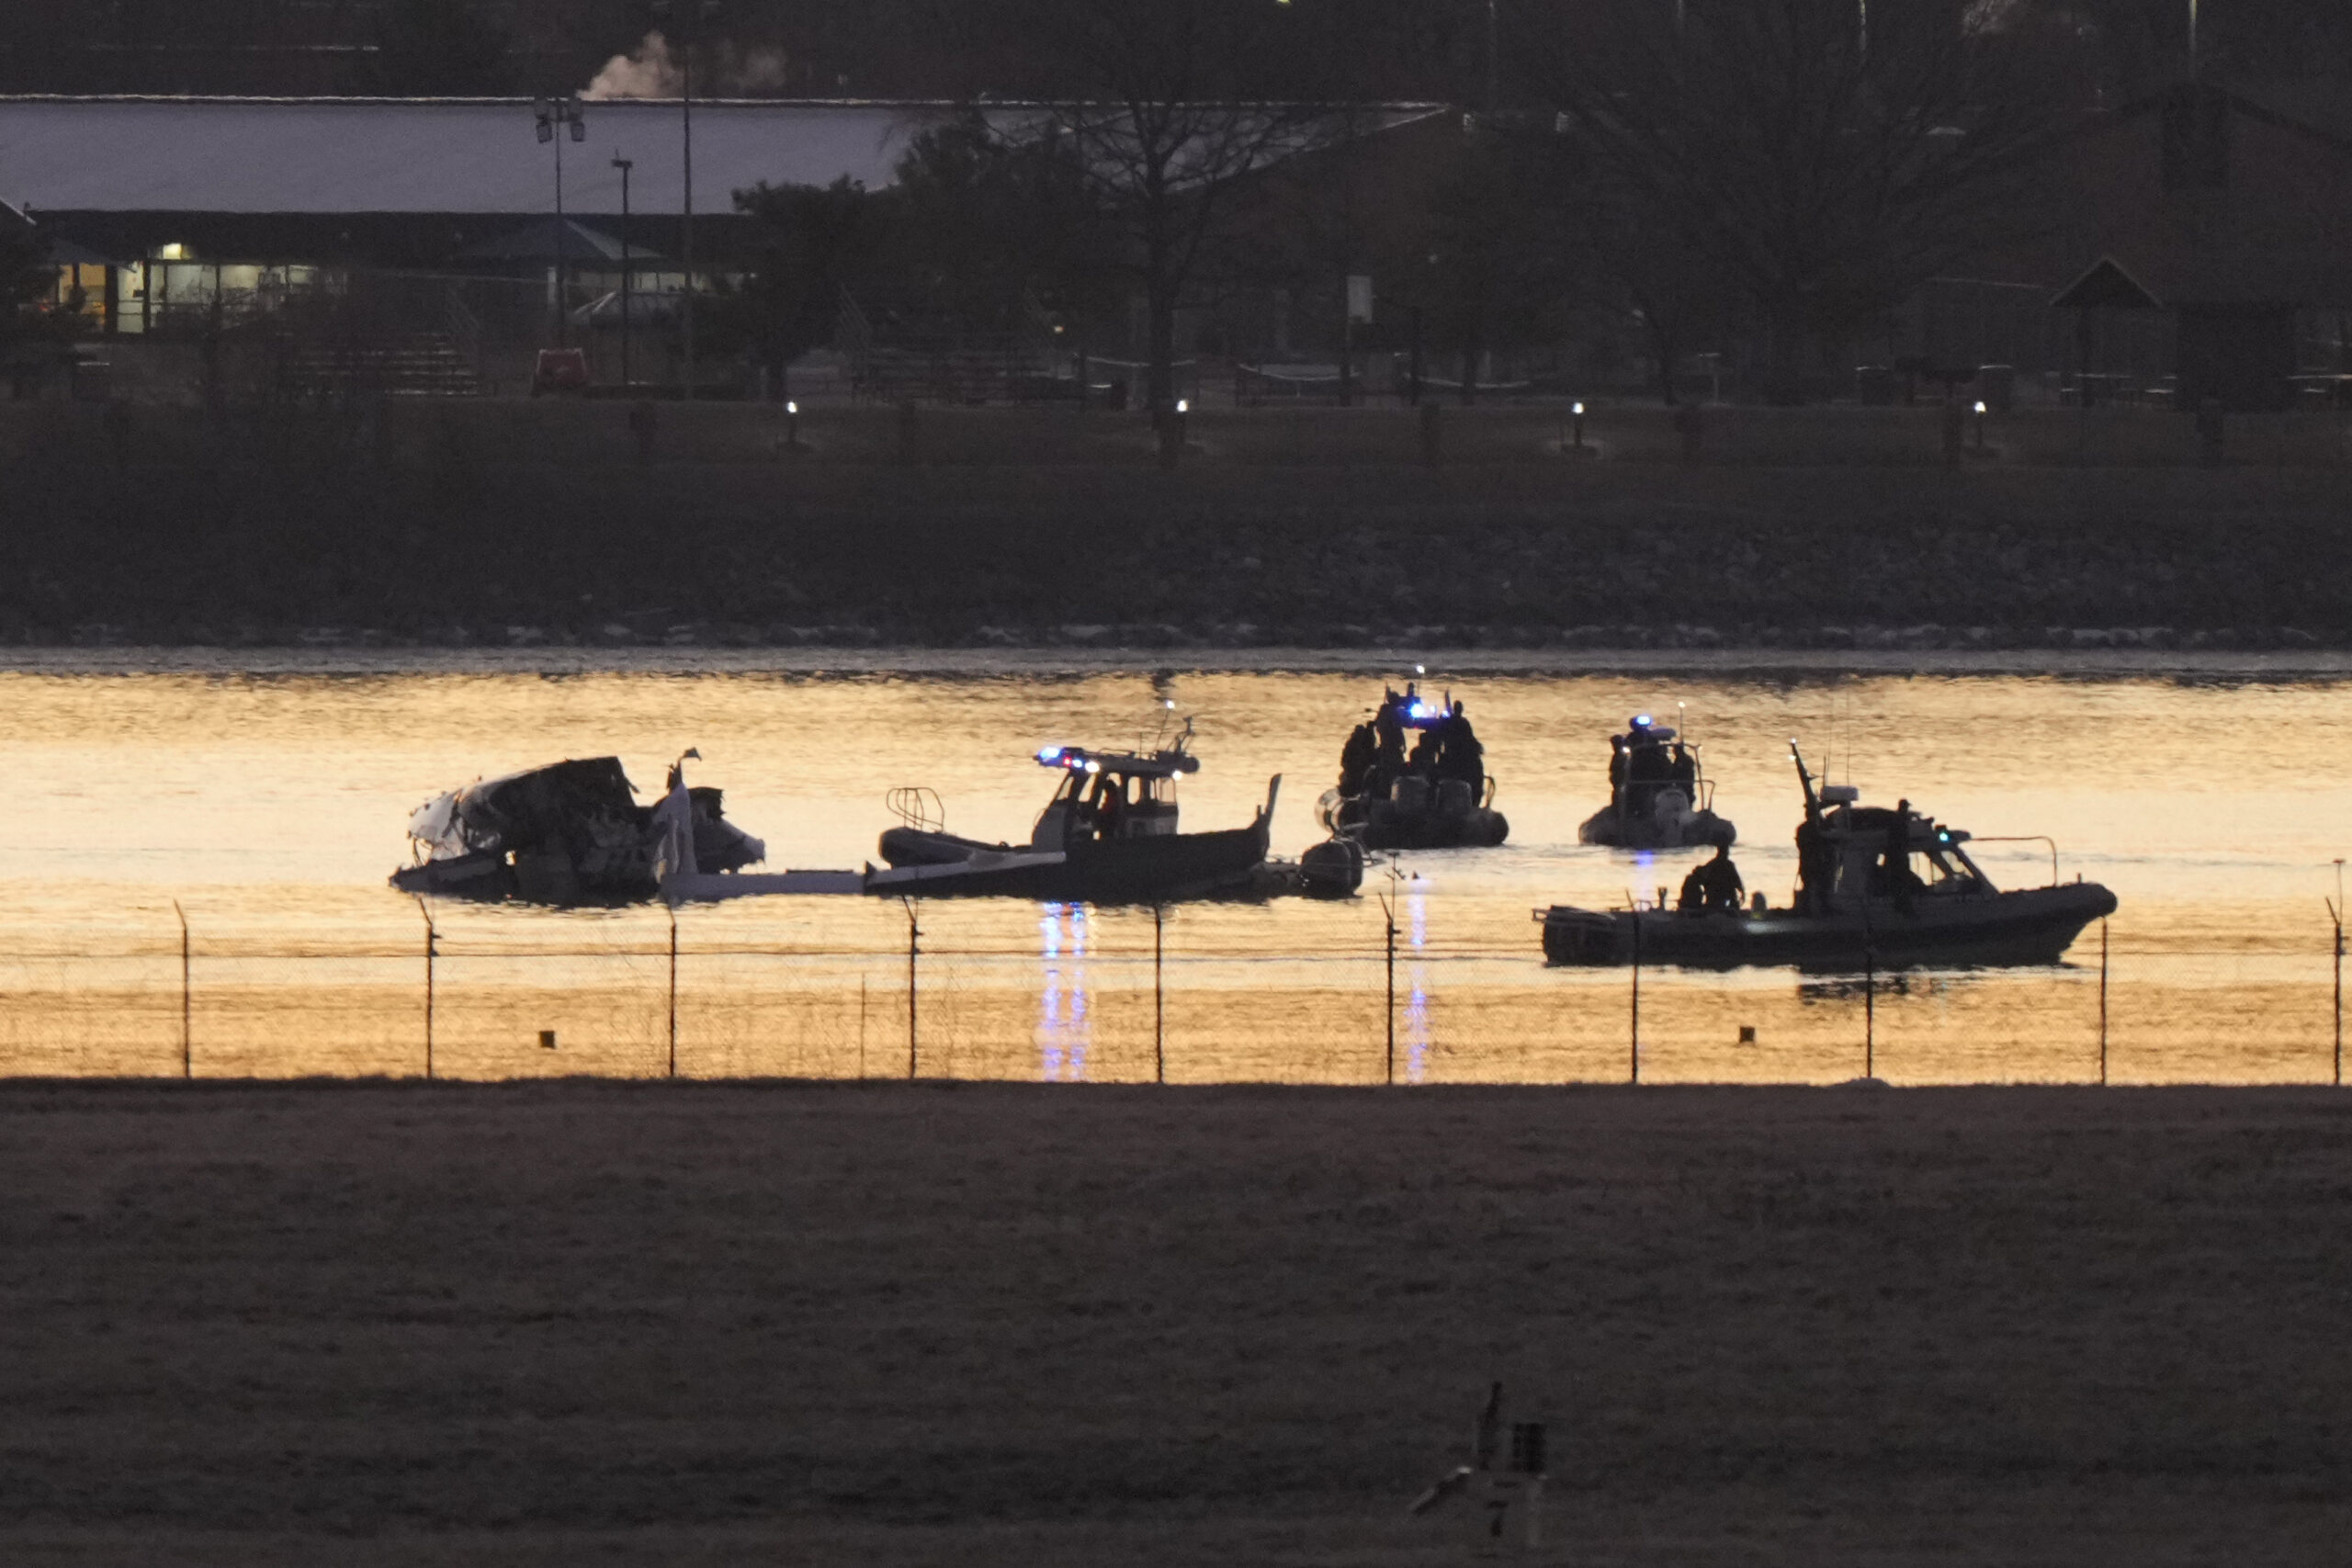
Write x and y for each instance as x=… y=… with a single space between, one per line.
x=1812 y=800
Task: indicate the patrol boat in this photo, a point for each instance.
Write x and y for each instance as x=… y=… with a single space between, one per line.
x=1108 y=836
x=1860 y=903
x=1383 y=805
x=1660 y=797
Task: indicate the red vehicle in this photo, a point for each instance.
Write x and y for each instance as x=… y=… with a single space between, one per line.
x=561 y=370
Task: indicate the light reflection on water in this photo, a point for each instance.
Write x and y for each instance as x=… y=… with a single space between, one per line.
x=1062 y=1025
x=272 y=809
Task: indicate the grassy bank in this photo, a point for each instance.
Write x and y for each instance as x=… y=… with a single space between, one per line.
x=317 y=527
x=575 y=1324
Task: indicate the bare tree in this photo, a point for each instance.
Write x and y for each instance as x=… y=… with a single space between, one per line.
x=1816 y=159
x=1162 y=109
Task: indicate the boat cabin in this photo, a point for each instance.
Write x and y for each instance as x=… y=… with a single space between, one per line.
x=1110 y=795
x=1848 y=856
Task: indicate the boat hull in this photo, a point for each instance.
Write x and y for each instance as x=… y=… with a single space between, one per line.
x=1146 y=869
x=1394 y=825
x=2034 y=926
x=1617 y=829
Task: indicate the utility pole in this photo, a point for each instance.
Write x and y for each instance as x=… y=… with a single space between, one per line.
x=692 y=15
x=624 y=165
x=1494 y=65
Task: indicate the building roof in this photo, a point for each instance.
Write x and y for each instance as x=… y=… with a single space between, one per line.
x=355 y=155
x=448 y=156
x=541 y=240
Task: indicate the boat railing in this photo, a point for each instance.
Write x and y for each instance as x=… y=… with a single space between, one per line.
x=2042 y=839
x=919 y=808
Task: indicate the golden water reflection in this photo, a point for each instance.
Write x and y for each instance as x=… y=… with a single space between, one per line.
x=271 y=808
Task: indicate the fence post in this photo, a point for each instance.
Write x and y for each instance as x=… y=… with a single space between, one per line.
x=432 y=942
x=2335 y=918
x=187 y=998
x=2102 y=1004
x=1158 y=999
x=1636 y=1074
x=1388 y=918
x=674 y=991
x=1870 y=1010
x=914 y=934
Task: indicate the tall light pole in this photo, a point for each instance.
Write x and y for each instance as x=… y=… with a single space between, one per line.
x=694 y=13
x=1494 y=66
x=554 y=116
x=624 y=165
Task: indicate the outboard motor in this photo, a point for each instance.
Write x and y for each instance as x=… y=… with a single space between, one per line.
x=1332 y=869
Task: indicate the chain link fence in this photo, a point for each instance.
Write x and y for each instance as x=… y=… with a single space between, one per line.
x=954 y=990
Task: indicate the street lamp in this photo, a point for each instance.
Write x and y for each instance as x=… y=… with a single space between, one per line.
x=624 y=165
x=554 y=116
x=694 y=14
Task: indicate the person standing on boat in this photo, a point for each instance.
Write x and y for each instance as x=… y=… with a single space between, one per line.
x=1426 y=748
x=1388 y=749
x=1896 y=866
x=1686 y=773
x=1817 y=868
x=1464 y=756
x=1646 y=766
x=1356 y=759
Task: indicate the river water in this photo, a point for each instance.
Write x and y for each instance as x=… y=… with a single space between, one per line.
x=265 y=800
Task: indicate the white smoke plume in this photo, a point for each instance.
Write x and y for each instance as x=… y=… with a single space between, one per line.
x=651 y=71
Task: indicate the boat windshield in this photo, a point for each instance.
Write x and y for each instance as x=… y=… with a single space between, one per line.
x=1110 y=804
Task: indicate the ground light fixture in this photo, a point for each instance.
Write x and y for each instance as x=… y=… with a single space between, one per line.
x=1980 y=424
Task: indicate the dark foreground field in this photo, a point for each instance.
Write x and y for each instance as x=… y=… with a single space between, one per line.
x=612 y=1323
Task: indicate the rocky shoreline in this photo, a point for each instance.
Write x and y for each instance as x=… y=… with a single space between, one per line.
x=327 y=551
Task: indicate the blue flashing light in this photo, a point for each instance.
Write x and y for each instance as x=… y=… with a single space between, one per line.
x=1641 y=721
x=1050 y=754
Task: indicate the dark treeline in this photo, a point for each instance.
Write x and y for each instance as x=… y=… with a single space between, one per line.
x=1760 y=179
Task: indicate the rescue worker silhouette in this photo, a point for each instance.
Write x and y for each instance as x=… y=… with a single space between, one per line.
x=1895 y=868
x=1714 y=885
x=1426 y=747
x=1464 y=756
x=1817 y=869
x=1356 y=758
x=1685 y=772
x=1646 y=768
x=1388 y=749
